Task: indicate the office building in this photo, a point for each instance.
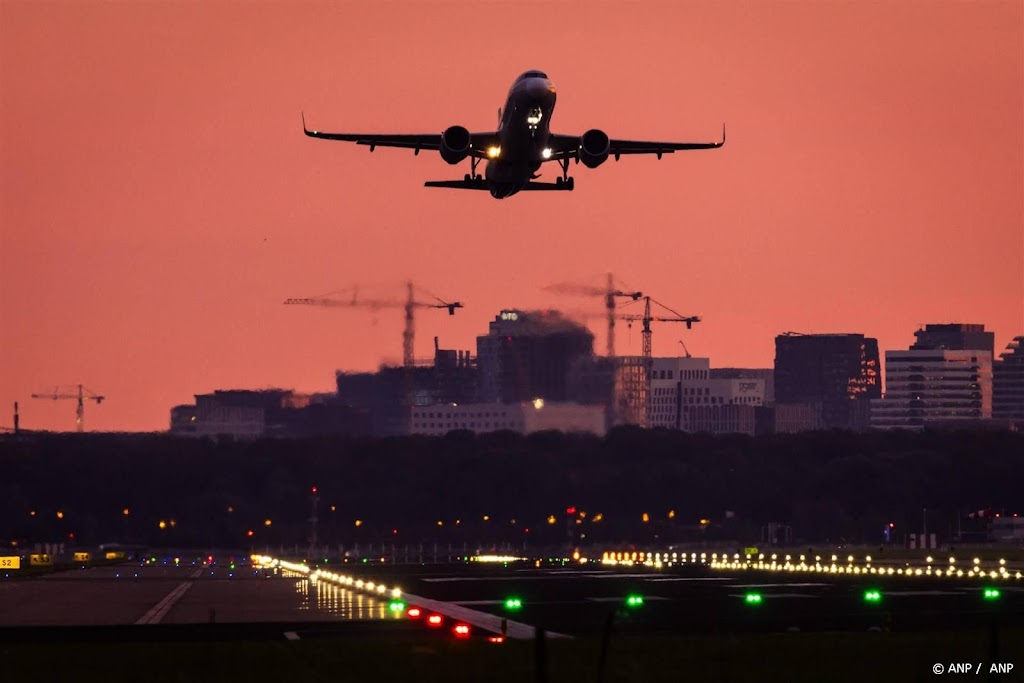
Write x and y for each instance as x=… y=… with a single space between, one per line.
x=525 y=418
x=1008 y=384
x=530 y=354
x=839 y=373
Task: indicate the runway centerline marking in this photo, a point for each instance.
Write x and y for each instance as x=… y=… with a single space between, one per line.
x=160 y=609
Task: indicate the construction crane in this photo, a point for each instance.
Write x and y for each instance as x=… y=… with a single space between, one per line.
x=610 y=294
x=647 y=319
x=82 y=396
x=409 y=305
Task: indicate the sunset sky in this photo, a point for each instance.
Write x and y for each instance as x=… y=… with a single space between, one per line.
x=158 y=200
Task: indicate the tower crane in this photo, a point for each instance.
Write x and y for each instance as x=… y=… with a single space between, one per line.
x=610 y=293
x=82 y=396
x=647 y=319
x=409 y=305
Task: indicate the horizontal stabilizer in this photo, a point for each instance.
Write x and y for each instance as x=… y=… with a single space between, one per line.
x=456 y=184
x=531 y=186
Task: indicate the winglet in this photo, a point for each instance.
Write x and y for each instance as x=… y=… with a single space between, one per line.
x=723 y=132
x=311 y=133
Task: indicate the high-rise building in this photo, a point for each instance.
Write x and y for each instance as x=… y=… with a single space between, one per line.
x=1008 y=383
x=837 y=373
x=955 y=337
x=940 y=387
x=530 y=354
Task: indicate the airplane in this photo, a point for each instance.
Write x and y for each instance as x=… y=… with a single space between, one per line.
x=523 y=142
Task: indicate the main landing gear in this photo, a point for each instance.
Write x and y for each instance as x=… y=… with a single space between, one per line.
x=473 y=178
x=565 y=182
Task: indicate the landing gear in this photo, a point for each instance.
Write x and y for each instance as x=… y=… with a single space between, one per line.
x=565 y=182
x=473 y=178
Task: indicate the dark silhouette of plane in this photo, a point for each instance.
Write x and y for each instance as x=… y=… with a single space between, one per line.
x=523 y=142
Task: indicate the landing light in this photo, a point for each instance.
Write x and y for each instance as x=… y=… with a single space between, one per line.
x=494 y=152
x=546 y=153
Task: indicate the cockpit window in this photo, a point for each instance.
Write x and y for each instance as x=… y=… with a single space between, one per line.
x=533 y=74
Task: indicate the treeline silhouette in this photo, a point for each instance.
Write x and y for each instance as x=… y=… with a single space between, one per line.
x=827 y=486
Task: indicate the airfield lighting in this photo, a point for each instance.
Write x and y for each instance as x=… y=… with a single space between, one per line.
x=461 y=630
x=435 y=620
x=396 y=606
x=991 y=594
x=496 y=639
x=513 y=604
x=634 y=601
x=414 y=613
x=873 y=596
x=753 y=598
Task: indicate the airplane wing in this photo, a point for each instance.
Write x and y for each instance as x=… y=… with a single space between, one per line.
x=415 y=142
x=567 y=146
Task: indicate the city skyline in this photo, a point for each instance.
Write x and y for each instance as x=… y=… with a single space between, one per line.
x=159 y=200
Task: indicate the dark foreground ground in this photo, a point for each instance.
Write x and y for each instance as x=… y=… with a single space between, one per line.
x=812 y=657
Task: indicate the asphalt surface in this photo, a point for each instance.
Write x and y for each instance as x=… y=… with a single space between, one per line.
x=571 y=599
x=152 y=594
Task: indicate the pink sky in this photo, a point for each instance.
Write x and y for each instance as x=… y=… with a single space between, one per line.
x=158 y=200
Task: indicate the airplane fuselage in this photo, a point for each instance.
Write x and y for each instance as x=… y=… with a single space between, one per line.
x=523 y=131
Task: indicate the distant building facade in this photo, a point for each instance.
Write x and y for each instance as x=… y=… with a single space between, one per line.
x=525 y=418
x=619 y=384
x=530 y=354
x=955 y=337
x=1008 y=384
x=250 y=414
x=766 y=374
x=840 y=373
x=931 y=386
x=943 y=380
x=685 y=395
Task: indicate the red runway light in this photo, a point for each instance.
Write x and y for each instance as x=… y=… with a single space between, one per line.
x=496 y=639
x=414 y=612
x=461 y=631
x=434 y=620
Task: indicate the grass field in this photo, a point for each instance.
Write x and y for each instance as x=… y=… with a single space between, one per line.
x=795 y=657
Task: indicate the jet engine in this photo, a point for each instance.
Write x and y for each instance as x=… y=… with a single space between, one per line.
x=454 y=144
x=594 y=146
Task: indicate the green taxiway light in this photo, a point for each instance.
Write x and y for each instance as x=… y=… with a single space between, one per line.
x=634 y=601
x=396 y=606
x=873 y=596
x=753 y=598
x=991 y=594
x=513 y=603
